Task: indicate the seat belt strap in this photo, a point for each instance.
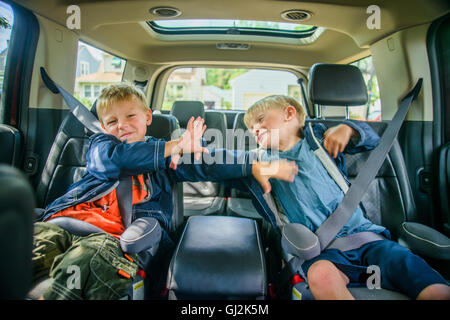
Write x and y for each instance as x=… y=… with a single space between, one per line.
x=76 y=107
x=305 y=99
x=355 y=240
x=325 y=159
x=336 y=221
x=124 y=196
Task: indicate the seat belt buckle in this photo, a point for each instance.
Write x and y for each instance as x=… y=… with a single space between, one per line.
x=31 y=163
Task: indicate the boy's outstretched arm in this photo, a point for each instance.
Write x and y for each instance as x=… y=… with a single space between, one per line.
x=109 y=158
x=190 y=142
x=222 y=164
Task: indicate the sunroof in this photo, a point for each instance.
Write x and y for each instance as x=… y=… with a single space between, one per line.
x=200 y=26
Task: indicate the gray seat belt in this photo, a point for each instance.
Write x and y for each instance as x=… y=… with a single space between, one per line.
x=124 y=189
x=124 y=199
x=336 y=221
x=76 y=107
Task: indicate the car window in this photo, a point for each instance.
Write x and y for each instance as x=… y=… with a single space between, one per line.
x=372 y=110
x=226 y=88
x=96 y=70
x=6 y=23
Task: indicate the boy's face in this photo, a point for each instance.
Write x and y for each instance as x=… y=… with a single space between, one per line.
x=127 y=120
x=268 y=128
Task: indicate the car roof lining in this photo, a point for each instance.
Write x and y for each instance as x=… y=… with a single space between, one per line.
x=120 y=27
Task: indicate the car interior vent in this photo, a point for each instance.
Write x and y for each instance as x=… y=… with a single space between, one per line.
x=166 y=12
x=296 y=15
x=233 y=46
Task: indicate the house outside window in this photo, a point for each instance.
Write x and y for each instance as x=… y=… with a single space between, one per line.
x=96 y=90
x=87 y=91
x=84 y=68
x=96 y=70
x=228 y=88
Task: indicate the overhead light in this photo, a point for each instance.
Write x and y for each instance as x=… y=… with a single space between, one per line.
x=233 y=46
x=165 y=12
x=296 y=15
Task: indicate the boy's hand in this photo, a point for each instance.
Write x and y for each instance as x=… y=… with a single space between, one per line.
x=190 y=141
x=336 y=138
x=280 y=169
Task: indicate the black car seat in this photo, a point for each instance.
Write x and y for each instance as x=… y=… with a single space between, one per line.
x=10 y=140
x=202 y=198
x=16 y=233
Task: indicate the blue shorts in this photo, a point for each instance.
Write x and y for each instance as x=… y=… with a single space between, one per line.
x=401 y=270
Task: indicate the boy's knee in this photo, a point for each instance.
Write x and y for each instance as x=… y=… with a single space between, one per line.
x=435 y=292
x=322 y=273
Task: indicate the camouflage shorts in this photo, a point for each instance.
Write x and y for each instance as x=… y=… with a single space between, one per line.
x=90 y=267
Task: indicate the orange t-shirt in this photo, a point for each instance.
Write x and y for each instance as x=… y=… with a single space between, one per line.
x=104 y=212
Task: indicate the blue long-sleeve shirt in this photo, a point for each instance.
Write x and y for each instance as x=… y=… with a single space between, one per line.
x=314 y=195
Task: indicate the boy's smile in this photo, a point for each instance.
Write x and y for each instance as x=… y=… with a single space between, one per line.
x=261 y=135
x=127 y=120
x=274 y=129
x=264 y=125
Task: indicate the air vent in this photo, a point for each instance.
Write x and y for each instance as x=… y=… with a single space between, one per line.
x=296 y=15
x=165 y=12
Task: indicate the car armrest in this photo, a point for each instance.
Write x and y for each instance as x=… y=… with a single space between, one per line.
x=424 y=240
x=75 y=226
x=142 y=234
x=298 y=240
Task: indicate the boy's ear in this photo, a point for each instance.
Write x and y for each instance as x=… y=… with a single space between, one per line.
x=149 y=117
x=290 y=112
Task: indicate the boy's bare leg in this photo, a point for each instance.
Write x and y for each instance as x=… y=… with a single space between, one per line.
x=435 y=292
x=327 y=282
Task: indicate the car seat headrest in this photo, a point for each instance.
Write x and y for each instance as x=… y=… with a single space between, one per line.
x=184 y=110
x=162 y=126
x=336 y=85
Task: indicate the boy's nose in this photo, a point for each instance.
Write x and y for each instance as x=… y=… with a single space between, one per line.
x=255 y=129
x=121 y=124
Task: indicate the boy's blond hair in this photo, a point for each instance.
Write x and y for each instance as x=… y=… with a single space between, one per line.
x=275 y=101
x=117 y=93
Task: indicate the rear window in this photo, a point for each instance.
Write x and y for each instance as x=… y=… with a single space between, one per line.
x=96 y=69
x=228 y=89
